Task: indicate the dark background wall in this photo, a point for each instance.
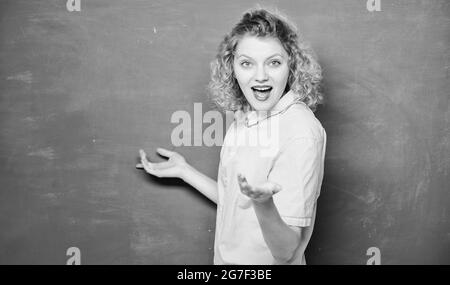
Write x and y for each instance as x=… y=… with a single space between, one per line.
x=81 y=92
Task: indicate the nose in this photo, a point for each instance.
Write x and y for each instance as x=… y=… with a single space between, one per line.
x=261 y=75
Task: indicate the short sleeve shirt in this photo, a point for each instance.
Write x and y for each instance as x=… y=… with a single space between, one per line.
x=287 y=146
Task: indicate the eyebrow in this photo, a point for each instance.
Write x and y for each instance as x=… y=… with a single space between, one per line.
x=266 y=59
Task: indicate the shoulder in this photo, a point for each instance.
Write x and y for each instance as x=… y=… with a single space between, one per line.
x=300 y=122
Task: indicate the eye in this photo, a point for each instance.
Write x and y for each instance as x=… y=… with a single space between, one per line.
x=275 y=63
x=245 y=63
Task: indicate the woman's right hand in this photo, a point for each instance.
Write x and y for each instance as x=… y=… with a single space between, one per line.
x=175 y=166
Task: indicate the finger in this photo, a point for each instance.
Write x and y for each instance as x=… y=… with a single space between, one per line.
x=254 y=195
x=144 y=160
x=142 y=153
x=241 y=184
x=143 y=157
x=162 y=165
x=164 y=152
x=269 y=187
x=149 y=169
x=244 y=183
x=145 y=163
x=245 y=191
x=242 y=179
x=153 y=172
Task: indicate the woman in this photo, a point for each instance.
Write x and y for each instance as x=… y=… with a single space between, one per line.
x=266 y=200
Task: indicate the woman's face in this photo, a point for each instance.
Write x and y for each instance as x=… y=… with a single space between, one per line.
x=261 y=69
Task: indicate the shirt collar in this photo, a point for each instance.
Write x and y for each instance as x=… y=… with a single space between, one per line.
x=282 y=103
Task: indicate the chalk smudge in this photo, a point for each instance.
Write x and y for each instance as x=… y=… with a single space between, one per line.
x=26 y=77
x=47 y=153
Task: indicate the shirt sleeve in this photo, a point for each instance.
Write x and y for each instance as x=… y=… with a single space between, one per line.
x=299 y=170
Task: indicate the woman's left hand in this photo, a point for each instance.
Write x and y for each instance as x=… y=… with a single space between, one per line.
x=260 y=193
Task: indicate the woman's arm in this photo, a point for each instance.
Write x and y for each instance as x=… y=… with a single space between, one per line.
x=281 y=239
x=204 y=184
x=176 y=166
x=299 y=169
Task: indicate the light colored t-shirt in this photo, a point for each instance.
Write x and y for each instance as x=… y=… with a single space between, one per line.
x=287 y=148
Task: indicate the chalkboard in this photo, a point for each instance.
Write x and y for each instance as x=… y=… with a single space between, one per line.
x=82 y=91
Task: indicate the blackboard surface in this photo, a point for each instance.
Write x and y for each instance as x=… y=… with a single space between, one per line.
x=81 y=92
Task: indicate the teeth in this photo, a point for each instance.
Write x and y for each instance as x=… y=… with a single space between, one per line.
x=262 y=89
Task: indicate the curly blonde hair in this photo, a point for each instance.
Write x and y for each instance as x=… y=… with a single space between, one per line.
x=305 y=73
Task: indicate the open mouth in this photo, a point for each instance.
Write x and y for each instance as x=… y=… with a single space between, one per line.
x=261 y=93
